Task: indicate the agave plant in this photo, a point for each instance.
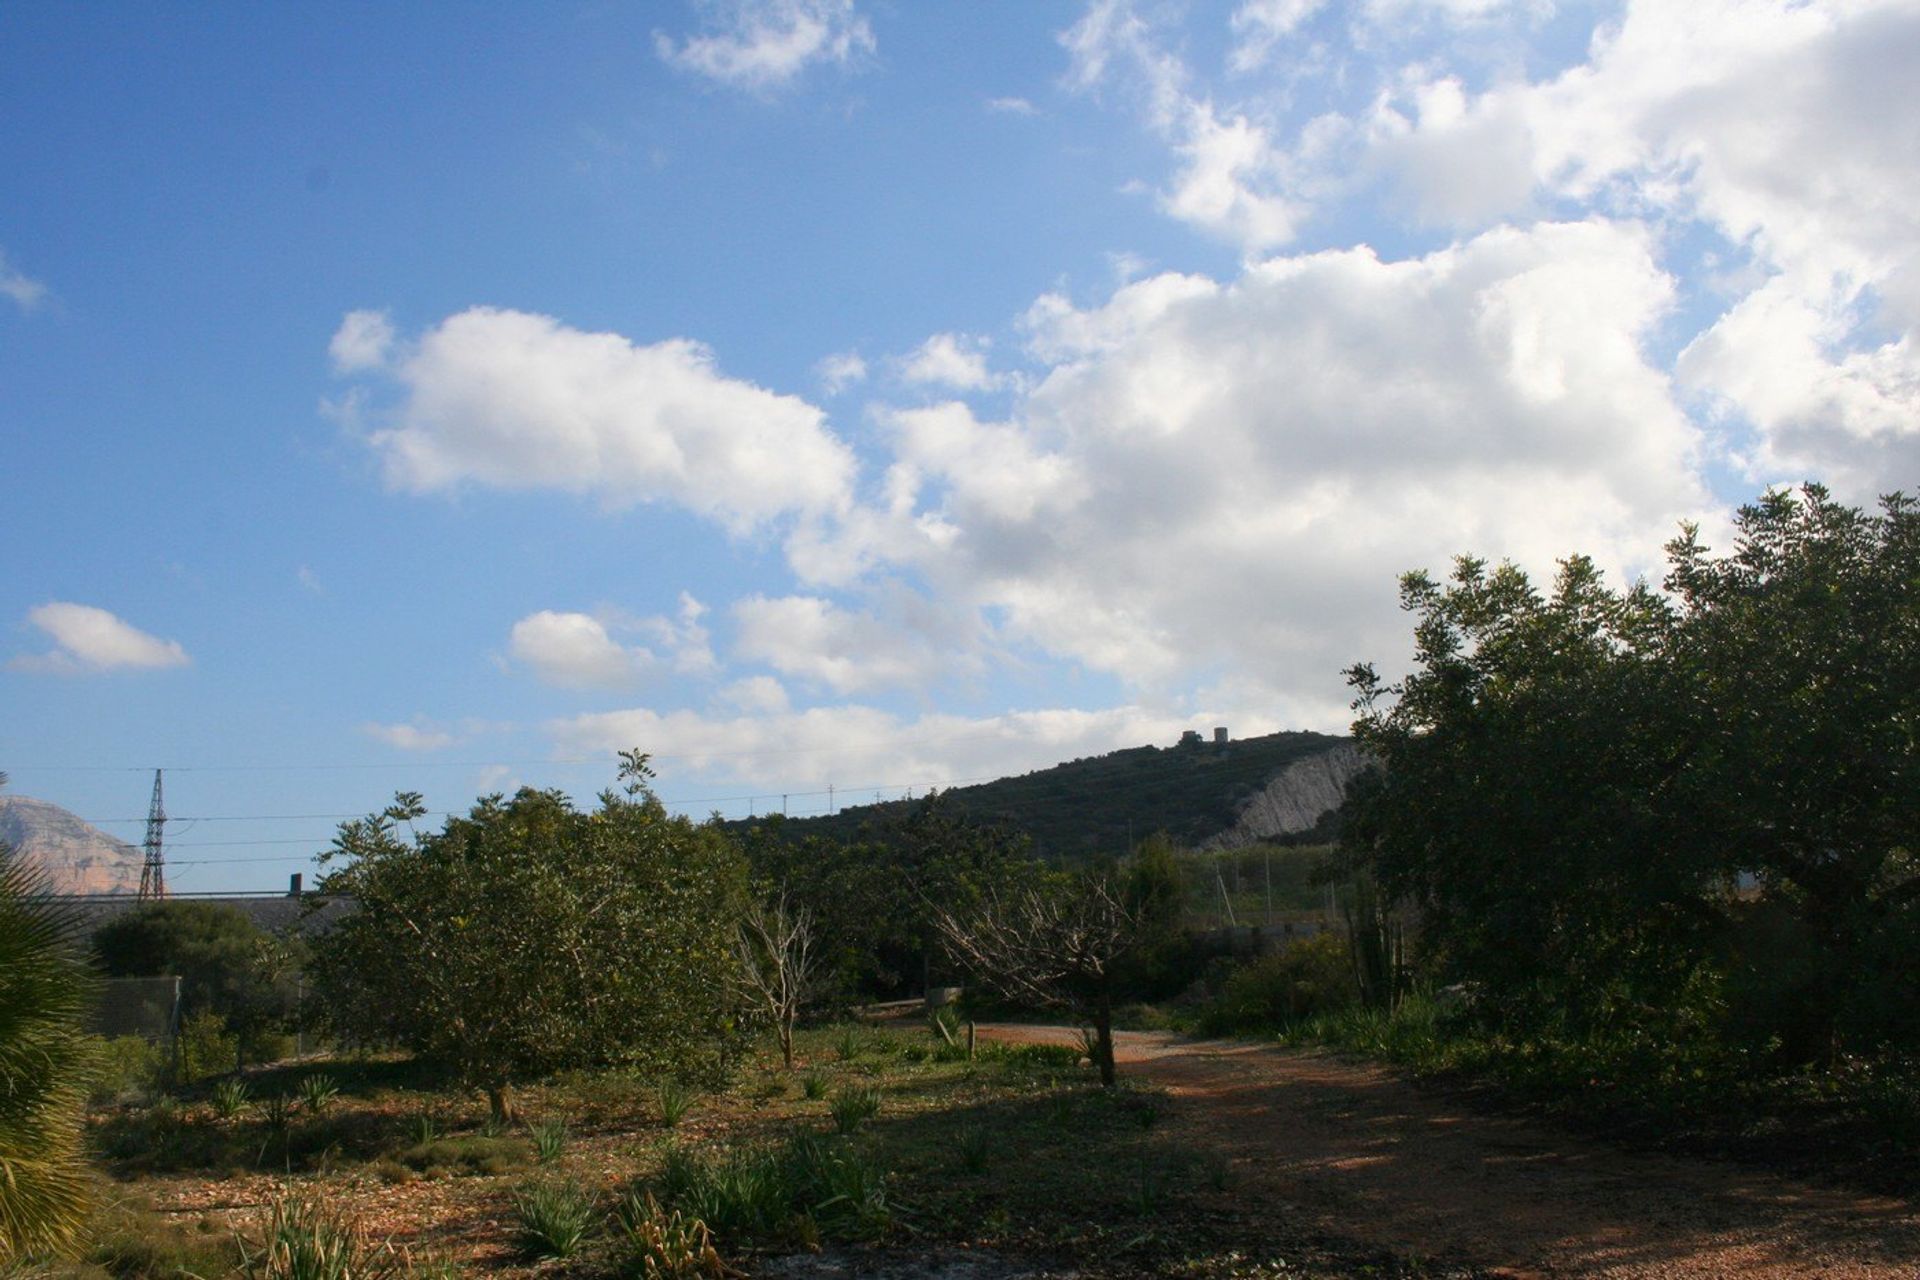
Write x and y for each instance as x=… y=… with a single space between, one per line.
x=230 y=1098
x=304 y=1239
x=45 y=991
x=317 y=1092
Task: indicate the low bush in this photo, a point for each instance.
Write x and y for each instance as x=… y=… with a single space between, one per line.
x=853 y=1107
x=305 y=1239
x=1307 y=978
x=666 y=1244
x=127 y=1068
x=811 y=1187
x=554 y=1218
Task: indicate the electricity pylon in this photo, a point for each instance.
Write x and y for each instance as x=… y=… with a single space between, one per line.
x=153 y=872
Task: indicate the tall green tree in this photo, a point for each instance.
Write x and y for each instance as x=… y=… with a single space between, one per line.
x=529 y=937
x=46 y=989
x=1528 y=804
x=1577 y=786
x=1802 y=650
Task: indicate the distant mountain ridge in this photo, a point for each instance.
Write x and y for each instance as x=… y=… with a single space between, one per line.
x=1203 y=794
x=77 y=856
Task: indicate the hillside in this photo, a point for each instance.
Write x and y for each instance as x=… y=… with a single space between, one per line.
x=1273 y=787
x=79 y=857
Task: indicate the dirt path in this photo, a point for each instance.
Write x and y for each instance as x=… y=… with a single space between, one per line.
x=1358 y=1151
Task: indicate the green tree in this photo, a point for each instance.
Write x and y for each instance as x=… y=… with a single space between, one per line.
x=1528 y=804
x=227 y=965
x=1575 y=784
x=1802 y=648
x=529 y=937
x=46 y=989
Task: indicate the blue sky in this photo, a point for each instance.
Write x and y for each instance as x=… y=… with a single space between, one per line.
x=831 y=393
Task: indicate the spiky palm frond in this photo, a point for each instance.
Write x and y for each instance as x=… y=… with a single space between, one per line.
x=46 y=989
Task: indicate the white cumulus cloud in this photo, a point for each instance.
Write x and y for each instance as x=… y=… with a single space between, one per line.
x=512 y=400
x=763 y=45
x=950 y=360
x=91 y=639
x=851 y=651
x=362 y=342
x=586 y=651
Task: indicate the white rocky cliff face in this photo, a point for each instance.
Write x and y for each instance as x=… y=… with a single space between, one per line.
x=1294 y=799
x=77 y=857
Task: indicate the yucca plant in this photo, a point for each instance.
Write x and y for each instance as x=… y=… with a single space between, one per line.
x=675 y=1100
x=304 y=1239
x=229 y=1098
x=45 y=991
x=554 y=1218
x=317 y=1092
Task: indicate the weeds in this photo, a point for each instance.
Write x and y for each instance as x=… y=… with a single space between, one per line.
x=676 y=1099
x=853 y=1107
x=549 y=1140
x=814 y=1086
x=848 y=1045
x=553 y=1218
x=810 y=1186
x=666 y=1244
x=974 y=1146
x=425 y=1128
x=277 y=1110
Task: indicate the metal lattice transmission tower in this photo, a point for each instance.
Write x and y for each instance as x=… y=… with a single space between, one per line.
x=153 y=872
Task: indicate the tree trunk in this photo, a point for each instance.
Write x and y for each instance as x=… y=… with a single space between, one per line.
x=500 y=1099
x=786 y=1043
x=1103 y=1039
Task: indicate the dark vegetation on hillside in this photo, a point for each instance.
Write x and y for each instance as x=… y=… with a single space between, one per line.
x=1102 y=805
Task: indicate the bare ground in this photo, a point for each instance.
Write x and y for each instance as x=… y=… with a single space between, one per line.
x=1359 y=1151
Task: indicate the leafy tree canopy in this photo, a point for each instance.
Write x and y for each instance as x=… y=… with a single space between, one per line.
x=226 y=963
x=529 y=937
x=1576 y=781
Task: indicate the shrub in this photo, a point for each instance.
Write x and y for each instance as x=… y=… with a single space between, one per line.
x=229 y=1098
x=528 y=938
x=666 y=1244
x=127 y=1067
x=207 y=1047
x=317 y=1093
x=554 y=1218
x=1309 y=977
x=45 y=990
x=812 y=1185
x=306 y=1240
x=853 y=1107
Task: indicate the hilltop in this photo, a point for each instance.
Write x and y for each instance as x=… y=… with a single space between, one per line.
x=77 y=856
x=1203 y=794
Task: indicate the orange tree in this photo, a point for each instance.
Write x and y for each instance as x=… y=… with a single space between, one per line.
x=529 y=937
